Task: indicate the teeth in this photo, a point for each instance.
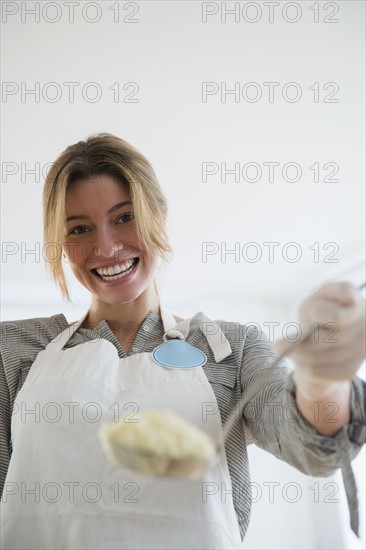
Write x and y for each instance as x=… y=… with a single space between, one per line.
x=115 y=269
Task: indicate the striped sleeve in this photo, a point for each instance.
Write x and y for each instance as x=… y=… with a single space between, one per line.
x=277 y=426
x=4 y=425
x=275 y=422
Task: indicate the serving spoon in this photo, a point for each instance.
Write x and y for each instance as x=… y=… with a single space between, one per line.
x=150 y=463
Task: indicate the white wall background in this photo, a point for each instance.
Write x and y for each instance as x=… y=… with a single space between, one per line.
x=168 y=52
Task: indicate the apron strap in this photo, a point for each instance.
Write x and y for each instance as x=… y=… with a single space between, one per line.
x=61 y=339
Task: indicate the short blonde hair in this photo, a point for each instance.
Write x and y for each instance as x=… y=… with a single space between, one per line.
x=103 y=154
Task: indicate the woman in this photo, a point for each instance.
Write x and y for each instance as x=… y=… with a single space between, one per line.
x=104 y=209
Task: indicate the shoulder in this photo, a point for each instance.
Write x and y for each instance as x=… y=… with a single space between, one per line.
x=251 y=343
x=239 y=332
x=234 y=332
x=32 y=332
x=20 y=342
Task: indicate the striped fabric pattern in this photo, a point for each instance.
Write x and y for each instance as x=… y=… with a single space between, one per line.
x=270 y=417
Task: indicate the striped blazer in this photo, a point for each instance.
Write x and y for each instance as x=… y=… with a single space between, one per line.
x=270 y=419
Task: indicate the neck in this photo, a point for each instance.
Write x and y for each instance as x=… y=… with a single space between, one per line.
x=123 y=318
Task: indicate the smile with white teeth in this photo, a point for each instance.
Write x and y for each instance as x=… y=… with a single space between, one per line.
x=117 y=271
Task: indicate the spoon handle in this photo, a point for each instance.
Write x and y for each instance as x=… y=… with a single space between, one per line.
x=240 y=406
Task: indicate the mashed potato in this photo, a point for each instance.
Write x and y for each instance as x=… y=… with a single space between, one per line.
x=159 y=443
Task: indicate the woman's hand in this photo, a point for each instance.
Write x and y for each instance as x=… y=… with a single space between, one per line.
x=334 y=318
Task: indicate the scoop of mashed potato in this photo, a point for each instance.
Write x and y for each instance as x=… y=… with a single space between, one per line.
x=159 y=443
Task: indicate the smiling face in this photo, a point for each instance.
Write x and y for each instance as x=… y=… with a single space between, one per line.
x=102 y=244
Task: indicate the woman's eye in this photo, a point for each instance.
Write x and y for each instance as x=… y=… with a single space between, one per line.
x=76 y=230
x=127 y=217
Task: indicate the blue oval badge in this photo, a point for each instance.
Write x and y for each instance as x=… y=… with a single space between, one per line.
x=178 y=354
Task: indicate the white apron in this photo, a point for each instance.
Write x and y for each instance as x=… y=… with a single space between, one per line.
x=61 y=492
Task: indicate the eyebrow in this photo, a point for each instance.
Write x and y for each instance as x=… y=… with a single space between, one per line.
x=83 y=217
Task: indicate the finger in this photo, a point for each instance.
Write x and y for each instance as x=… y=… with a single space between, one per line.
x=326 y=346
x=344 y=360
x=323 y=310
x=281 y=346
x=336 y=357
x=328 y=333
x=345 y=293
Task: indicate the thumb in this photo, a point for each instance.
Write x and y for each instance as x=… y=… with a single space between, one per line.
x=280 y=346
x=338 y=303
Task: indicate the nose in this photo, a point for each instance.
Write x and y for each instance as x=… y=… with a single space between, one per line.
x=105 y=246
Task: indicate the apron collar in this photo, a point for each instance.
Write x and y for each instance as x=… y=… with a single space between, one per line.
x=215 y=337
x=211 y=330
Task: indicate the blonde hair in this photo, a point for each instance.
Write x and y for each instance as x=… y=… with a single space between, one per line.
x=103 y=154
